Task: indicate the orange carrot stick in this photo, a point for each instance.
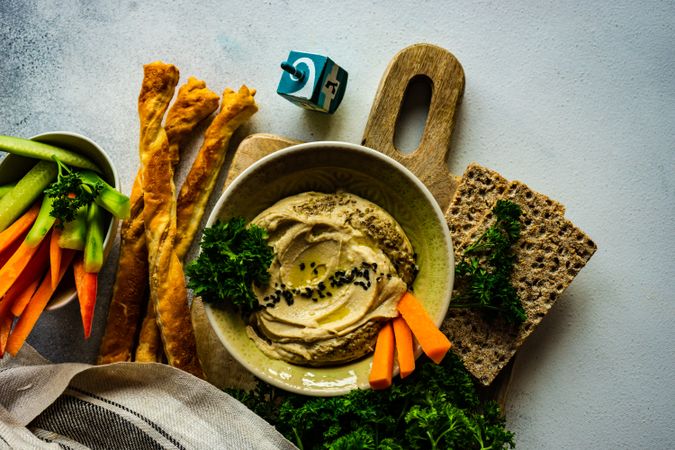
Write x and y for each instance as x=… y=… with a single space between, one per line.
x=433 y=342
x=19 y=302
x=19 y=294
x=383 y=359
x=86 y=284
x=405 y=352
x=54 y=256
x=19 y=227
x=37 y=304
x=5 y=328
x=10 y=250
x=15 y=266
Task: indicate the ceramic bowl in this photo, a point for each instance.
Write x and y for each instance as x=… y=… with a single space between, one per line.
x=328 y=167
x=13 y=167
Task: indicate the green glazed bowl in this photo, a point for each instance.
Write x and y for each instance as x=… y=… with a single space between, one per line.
x=328 y=167
x=13 y=167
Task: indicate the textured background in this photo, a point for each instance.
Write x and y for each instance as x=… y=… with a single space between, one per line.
x=577 y=100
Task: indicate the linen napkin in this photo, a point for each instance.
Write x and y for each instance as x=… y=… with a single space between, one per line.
x=121 y=405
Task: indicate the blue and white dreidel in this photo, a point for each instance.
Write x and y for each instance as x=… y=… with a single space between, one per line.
x=312 y=81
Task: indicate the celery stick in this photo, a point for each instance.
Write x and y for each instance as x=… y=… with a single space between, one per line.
x=39 y=150
x=26 y=191
x=43 y=223
x=109 y=198
x=93 y=247
x=74 y=233
x=6 y=188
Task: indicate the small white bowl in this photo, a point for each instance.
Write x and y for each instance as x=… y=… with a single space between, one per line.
x=13 y=167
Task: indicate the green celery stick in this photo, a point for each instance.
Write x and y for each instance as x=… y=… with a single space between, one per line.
x=39 y=150
x=43 y=223
x=109 y=197
x=74 y=233
x=6 y=188
x=26 y=191
x=93 y=247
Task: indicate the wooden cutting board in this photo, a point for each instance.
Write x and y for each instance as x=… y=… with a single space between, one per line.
x=428 y=162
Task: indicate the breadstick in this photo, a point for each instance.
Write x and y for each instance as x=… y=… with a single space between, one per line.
x=167 y=281
x=236 y=108
x=129 y=290
x=194 y=103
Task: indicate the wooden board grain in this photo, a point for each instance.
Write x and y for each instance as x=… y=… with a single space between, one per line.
x=428 y=162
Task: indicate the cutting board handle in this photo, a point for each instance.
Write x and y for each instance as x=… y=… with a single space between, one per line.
x=429 y=161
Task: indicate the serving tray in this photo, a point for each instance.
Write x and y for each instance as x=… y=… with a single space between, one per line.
x=428 y=162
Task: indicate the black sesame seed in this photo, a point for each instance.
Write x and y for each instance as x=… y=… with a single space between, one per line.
x=302 y=266
x=312 y=264
x=329 y=294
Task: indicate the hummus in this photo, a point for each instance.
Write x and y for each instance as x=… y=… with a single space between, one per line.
x=341 y=265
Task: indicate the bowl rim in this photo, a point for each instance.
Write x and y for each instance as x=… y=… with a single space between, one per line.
x=282 y=153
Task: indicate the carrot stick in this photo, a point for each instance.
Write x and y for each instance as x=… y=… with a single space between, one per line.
x=433 y=342
x=17 y=296
x=54 y=256
x=5 y=328
x=15 y=266
x=86 y=284
x=404 y=346
x=37 y=304
x=9 y=251
x=19 y=227
x=18 y=302
x=383 y=359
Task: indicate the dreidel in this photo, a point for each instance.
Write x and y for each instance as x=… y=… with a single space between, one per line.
x=312 y=81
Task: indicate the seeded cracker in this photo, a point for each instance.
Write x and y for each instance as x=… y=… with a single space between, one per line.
x=479 y=188
x=549 y=253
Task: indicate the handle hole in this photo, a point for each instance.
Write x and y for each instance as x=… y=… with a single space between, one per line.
x=412 y=117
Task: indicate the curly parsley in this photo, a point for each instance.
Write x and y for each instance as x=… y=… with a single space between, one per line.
x=70 y=192
x=484 y=271
x=233 y=257
x=437 y=407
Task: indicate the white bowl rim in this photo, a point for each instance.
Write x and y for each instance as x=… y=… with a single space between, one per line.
x=213 y=216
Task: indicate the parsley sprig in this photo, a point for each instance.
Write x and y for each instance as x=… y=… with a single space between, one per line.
x=436 y=407
x=233 y=257
x=70 y=192
x=484 y=271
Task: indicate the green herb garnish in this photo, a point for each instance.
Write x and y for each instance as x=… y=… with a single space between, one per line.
x=233 y=257
x=484 y=271
x=436 y=407
x=70 y=192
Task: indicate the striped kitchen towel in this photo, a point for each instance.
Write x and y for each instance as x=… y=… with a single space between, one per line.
x=120 y=406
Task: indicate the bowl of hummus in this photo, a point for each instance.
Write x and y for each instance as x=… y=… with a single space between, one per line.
x=351 y=230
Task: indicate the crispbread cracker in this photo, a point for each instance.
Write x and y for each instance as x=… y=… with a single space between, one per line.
x=479 y=188
x=549 y=253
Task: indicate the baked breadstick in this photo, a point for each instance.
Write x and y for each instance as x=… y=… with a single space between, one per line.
x=194 y=103
x=167 y=281
x=236 y=108
x=129 y=290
